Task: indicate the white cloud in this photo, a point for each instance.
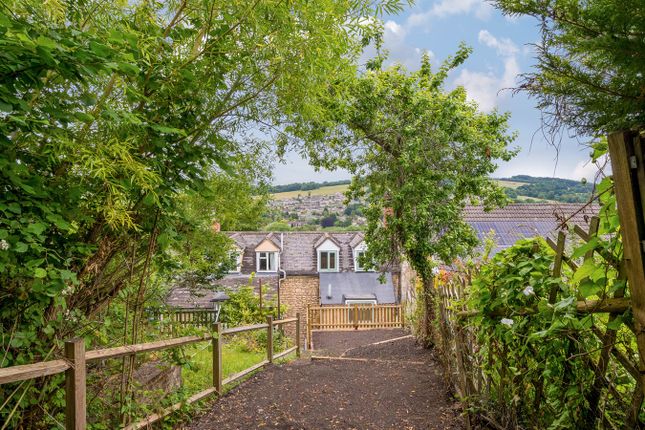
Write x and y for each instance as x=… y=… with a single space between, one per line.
x=504 y=47
x=482 y=10
x=486 y=88
x=588 y=170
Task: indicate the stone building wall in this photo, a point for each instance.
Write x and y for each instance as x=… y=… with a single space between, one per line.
x=296 y=293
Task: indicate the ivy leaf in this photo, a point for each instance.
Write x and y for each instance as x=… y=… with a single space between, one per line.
x=589 y=288
x=587 y=268
x=615 y=323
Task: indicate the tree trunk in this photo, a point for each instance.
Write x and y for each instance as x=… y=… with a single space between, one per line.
x=428 y=297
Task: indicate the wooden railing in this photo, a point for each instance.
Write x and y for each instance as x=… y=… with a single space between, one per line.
x=353 y=317
x=76 y=358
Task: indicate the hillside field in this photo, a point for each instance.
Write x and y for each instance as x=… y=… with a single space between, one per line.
x=323 y=191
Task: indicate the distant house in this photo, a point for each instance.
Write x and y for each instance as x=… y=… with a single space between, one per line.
x=324 y=268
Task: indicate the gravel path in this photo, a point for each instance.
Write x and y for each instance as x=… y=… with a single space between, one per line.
x=395 y=385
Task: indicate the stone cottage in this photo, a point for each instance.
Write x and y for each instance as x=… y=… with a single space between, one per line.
x=300 y=269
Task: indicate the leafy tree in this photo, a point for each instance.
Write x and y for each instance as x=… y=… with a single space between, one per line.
x=114 y=114
x=422 y=152
x=590 y=62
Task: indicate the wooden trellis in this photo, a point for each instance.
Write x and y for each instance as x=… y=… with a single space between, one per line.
x=461 y=348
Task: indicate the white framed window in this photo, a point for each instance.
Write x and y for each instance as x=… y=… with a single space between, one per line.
x=328 y=261
x=267 y=261
x=236 y=256
x=359 y=253
x=360 y=302
x=328 y=253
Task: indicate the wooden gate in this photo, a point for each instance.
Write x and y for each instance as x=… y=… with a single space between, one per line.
x=353 y=317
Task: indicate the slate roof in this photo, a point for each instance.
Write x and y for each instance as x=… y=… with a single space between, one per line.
x=522 y=220
x=361 y=285
x=183 y=297
x=299 y=255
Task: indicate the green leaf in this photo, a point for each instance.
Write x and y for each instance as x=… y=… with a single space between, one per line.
x=36 y=228
x=589 y=288
x=128 y=69
x=40 y=272
x=615 y=323
x=584 y=271
x=21 y=247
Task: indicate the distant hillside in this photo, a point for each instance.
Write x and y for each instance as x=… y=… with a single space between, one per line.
x=305 y=186
x=552 y=189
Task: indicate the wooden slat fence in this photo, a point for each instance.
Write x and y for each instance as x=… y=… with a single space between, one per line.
x=353 y=317
x=171 y=318
x=460 y=347
x=74 y=365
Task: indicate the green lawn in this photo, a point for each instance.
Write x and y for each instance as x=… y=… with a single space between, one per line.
x=198 y=374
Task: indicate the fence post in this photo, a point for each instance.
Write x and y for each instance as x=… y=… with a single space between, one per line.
x=625 y=152
x=402 y=313
x=75 y=400
x=298 y=334
x=217 y=358
x=355 y=317
x=270 y=339
x=308 y=340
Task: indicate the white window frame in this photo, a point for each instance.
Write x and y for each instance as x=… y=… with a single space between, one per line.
x=276 y=261
x=361 y=302
x=239 y=255
x=336 y=260
x=357 y=265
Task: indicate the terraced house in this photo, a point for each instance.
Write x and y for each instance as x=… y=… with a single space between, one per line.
x=304 y=268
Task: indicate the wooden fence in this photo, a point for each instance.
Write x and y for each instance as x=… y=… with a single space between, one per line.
x=171 y=318
x=353 y=317
x=461 y=348
x=74 y=365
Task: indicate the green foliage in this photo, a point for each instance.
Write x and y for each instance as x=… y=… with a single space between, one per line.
x=124 y=126
x=589 y=72
x=243 y=307
x=560 y=190
x=305 y=186
x=528 y=345
x=421 y=151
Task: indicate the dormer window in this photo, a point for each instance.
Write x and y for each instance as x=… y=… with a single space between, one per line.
x=359 y=258
x=235 y=257
x=267 y=261
x=328 y=256
x=267 y=256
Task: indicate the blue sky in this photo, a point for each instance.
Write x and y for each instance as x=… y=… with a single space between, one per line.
x=502 y=51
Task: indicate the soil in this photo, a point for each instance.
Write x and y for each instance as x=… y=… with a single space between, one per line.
x=399 y=386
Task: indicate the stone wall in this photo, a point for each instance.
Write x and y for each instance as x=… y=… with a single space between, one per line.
x=296 y=293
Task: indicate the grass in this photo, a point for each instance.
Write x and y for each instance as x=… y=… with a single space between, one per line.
x=332 y=189
x=199 y=374
x=509 y=184
x=322 y=191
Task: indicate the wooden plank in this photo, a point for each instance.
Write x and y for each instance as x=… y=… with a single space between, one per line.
x=245 y=372
x=120 y=351
x=31 y=371
x=618 y=305
x=244 y=328
x=284 y=321
x=557 y=265
x=364 y=360
x=298 y=334
x=217 y=358
x=285 y=352
x=270 y=339
x=631 y=224
x=75 y=392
